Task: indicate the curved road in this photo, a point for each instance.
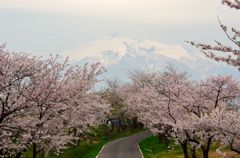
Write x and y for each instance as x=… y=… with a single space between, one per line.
x=125 y=147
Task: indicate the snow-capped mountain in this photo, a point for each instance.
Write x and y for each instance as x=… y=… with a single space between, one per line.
x=122 y=55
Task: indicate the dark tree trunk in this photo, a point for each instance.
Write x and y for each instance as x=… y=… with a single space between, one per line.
x=135 y=123
x=185 y=150
x=42 y=153
x=75 y=131
x=234 y=148
x=205 y=153
x=1 y=153
x=78 y=142
x=112 y=126
x=34 y=152
x=118 y=125
x=205 y=149
x=166 y=141
x=193 y=152
x=18 y=155
x=141 y=126
x=159 y=138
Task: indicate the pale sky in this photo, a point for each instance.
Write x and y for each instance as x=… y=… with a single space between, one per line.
x=47 y=26
x=144 y=11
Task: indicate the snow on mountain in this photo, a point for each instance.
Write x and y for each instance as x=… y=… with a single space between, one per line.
x=113 y=48
x=122 y=55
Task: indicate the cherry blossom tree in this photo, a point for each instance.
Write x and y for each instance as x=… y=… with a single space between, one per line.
x=131 y=94
x=15 y=72
x=226 y=123
x=208 y=97
x=221 y=52
x=65 y=98
x=157 y=100
x=45 y=103
x=231 y=56
x=118 y=117
x=232 y=4
x=171 y=105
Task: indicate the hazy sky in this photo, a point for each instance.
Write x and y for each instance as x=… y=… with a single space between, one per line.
x=55 y=26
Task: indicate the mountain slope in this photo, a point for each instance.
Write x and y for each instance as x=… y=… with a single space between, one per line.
x=121 y=55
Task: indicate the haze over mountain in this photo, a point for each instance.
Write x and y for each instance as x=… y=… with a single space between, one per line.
x=121 y=55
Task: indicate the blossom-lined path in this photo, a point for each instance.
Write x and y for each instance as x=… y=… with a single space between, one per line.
x=125 y=147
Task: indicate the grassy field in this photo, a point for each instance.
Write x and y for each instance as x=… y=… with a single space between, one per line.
x=151 y=148
x=90 y=146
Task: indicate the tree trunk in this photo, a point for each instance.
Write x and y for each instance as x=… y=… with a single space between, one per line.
x=112 y=126
x=141 y=126
x=42 y=153
x=134 y=123
x=78 y=142
x=18 y=155
x=34 y=152
x=1 y=153
x=159 y=138
x=234 y=149
x=47 y=153
x=205 y=149
x=193 y=152
x=75 y=131
x=166 y=141
x=205 y=153
x=184 y=148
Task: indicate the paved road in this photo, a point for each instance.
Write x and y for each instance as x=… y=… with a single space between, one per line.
x=125 y=147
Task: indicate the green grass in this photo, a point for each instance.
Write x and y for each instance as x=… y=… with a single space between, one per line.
x=151 y=148
x=91 y=144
